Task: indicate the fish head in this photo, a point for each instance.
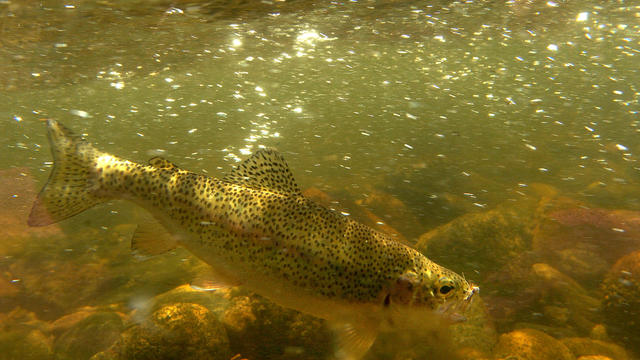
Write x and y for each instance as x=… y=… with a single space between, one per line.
x=417 y=294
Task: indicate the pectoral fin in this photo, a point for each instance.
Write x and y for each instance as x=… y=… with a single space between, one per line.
x=355 y=339
x=151 y=238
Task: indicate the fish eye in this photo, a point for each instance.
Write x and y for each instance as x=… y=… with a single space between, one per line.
x=445 y=286
x=444 y=290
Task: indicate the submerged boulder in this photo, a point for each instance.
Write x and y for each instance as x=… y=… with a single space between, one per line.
x=590 y=347
x=530 y=344
x=25 y=345
x=260 y=329
x=481 y=243
x=621 y=300
x=175 y=331
x=584 y=242
x=94 y=333
x=24 y=337
x=477 y=332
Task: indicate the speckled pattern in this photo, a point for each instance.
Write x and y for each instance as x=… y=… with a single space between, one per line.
x=252 y=224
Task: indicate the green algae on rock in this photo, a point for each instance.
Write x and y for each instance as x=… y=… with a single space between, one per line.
x=260 y=329
x=584 y=242
x=621 y=301
x=214 y=301
x=478 y=331
x=562 y=292
x=24 y=337
x=93 y=334
x=25 y=345
x=480 y=243
x=530 y=344
x=590 y=347
x=175 y=331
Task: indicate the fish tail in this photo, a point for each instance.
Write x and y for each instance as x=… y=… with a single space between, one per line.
x=71 y=187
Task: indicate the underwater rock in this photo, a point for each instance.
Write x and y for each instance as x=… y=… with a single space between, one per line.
x=621 y=301
x=93 y=334
x=319 y=196
x=23 y=320
x=214 y=301
x=590 y=347
x=529 y=291
x=510 y=293
x=66 y=322
x=24 y=337
x=472 y=354
x=584 y=242
x=477 y=244
x=25 y=345
x=557 y=332
x=563 y=296
x=599 y=332
x=260 y=329
x=594 y=357
x=55 y=284
x=530 y=344
x=175 y=331
x=621 y=193
x=478 y=331
x=393 y=213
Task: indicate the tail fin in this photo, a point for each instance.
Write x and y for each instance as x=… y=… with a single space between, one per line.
x=70 y=188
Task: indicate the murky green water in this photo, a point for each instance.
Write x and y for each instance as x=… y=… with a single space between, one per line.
x=422 y=114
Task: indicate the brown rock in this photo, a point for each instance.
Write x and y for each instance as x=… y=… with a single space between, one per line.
x=175 y=331
x=599 y=332
x=478 y=331
x=480 y=243
x=621 y=301
x=567 y=298
x=65 y=322
x=591 y=347
x=529 y=344
x=258 y=328
x=319 y=196
x=25 y=345
x=584 y=242
x=92 y=334
x=23 y=336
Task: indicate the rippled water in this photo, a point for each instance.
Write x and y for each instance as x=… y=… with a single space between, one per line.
x=448 y=108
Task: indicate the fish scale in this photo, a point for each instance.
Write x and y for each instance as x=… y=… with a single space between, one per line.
x=255 y=229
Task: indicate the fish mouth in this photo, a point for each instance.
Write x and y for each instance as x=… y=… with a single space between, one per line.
x=474 y=290
x=454 y=310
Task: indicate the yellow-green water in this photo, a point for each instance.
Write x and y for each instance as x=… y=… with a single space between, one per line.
x=421 y=113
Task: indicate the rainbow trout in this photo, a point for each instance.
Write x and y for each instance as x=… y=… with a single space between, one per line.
x=256 y=229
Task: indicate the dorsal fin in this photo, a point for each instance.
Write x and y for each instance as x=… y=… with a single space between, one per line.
x=265 y=169
x=162 y=163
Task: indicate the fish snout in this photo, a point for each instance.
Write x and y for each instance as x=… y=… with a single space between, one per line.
x=474 y=290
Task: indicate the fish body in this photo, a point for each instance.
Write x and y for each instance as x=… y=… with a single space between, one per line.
x=256 y=229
